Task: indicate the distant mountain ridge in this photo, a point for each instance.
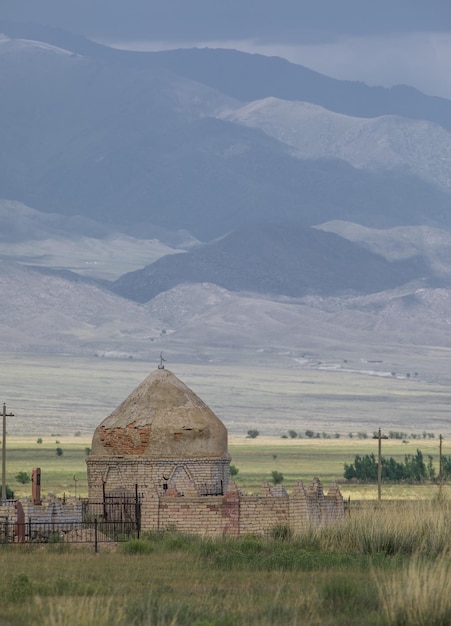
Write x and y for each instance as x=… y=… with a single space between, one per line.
x=101 y=147
x=382 y=143
x=133 y=140
x=277 y=259
x=203 y=322
x=249 y=77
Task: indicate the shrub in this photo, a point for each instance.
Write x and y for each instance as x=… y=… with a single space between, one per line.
x=293 y=434
x=253 y=433
x=277 y=477
x=20 y=587
x=234 y=470
x=23 y=478
x=137 y=546
x=39 y=440
x=281 y=533
x=59 y=452
x=9 y=493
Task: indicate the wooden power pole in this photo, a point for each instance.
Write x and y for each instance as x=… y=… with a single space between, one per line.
x=379 y=466
x=440 y=465
x=5 y=415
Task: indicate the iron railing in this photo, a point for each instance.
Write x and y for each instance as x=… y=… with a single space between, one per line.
x=95 y=532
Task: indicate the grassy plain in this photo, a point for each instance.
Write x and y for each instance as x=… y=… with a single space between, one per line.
x=62 y=394
x=385 y=566
x=296 y=459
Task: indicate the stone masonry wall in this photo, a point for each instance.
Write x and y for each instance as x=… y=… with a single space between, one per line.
x=237 y=514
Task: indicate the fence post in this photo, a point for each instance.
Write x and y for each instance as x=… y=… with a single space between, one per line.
x=137 y=511
x=29 y=529
x=95 y=535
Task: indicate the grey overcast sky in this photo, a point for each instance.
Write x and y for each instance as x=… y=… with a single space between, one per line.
x=384 y=42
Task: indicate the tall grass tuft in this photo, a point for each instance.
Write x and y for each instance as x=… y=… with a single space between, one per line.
x=419 y=594
x=137 y=546
x=349 y=595
x=77 y=611
x=392 y=529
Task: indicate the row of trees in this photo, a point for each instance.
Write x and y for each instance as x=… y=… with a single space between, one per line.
x=393 y=434
x=414 y=468
x=253 y=433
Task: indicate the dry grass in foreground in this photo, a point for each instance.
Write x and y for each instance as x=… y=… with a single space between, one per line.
x=386 y=565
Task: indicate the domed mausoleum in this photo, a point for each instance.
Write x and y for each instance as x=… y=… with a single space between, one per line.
x=162 y=437
x=161 y=459
x=160 y=462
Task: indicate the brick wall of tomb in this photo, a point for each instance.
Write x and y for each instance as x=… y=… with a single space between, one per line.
x=194 y=477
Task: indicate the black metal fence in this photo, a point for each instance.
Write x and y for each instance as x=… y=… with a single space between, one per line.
x=93 y=533
x=116 y=518
x=119 y=507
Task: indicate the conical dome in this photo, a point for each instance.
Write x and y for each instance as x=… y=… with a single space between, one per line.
x=161 y=419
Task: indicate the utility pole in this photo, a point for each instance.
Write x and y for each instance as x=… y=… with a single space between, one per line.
x=379 y=467
x=5 y=415
x=440 y=465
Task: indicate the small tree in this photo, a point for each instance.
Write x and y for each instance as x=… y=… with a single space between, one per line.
x=87 y=451
x=23 y=478
x=9 y=493
x=253 y=433
x=233 y=470
x=293 y=434
x=277 y=477
x=39 y=440
x=59 y=452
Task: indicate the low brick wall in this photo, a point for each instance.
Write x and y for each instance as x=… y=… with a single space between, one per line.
x=234 y=514
x=237 y=513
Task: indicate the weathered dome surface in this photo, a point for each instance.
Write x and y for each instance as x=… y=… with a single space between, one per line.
x=161 y=419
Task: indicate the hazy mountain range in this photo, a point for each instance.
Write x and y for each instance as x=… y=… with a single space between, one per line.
x=381 y=143
x=210 y=199
x=279 y=259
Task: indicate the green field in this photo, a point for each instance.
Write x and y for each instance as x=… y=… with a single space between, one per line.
x=296 y=459
x=387 y=565
x=384 y=566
